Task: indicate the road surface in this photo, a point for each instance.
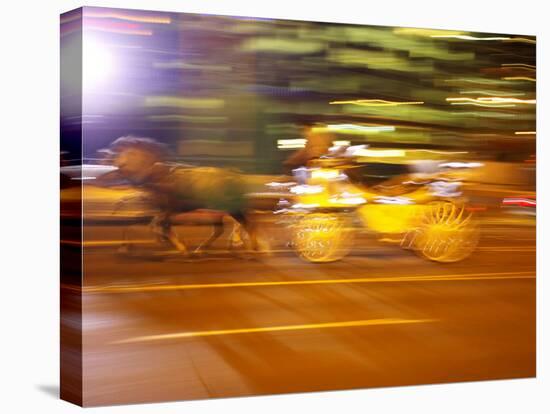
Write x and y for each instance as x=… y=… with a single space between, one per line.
x=220 y=326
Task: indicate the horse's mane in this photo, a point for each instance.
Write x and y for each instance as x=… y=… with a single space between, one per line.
x=143 y=143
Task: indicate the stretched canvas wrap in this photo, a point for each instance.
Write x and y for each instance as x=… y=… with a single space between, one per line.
x=255 y=206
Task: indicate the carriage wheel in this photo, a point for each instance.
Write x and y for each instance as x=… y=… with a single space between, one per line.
x=322 y=238
x=448 y=233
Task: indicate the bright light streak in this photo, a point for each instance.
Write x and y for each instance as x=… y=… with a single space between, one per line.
x=180 y=64
x=494 y=93
x=364 y=152
x=325 y=174
x=461 y=165
x=393 y=200
x=467 y=37
x=494 y=100
x=525 y=132
x=341 y=143
x=423 y=32
x=520 y=78
x=282 y=328
x=445 y=189
x=291 y=143
x=353 y=128
x=485 y=115
x=523 y=202
x=98 y=64
x=438 y=152
x=521 y=40
x=306 y=205
x=276 y=184
x=129 y=17
x=374 y=102
x=519 y=66
x=187 y=118
x=307 y=189
x=484 y=105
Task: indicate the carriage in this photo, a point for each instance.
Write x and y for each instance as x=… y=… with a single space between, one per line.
x=406 y=196
x=421 y=205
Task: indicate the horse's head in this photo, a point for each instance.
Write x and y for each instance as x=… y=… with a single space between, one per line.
x=135 y=157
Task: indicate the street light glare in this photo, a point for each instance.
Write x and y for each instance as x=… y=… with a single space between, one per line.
x=98 y=64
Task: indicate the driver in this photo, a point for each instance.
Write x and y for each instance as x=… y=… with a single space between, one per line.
x=318 y=142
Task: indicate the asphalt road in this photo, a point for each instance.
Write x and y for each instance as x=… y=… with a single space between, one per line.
x=219 y=326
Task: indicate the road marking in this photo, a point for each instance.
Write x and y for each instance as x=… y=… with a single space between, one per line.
x=180 y=335
x=373 y=279
x=118 y=243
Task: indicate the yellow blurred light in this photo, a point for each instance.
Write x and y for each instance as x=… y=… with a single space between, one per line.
x=187 y=118
x=291 y=143
x=374 y=102
x=438 y=152
x=350 y=201
x=353 y=128
x=525 y=132
x=316 y=326
x=484 y=104
x=341 y=143
x=481 y=81
x=495 y=93
x=307 y=189
x=423 y=32
x=376 y=59
x=365 y=152
x=281 y=45
x=520 y=78
x=495 y=100
x=325 y=174
x=175 y=101
x=486 y=114
x=521 y=40
x=467 y=37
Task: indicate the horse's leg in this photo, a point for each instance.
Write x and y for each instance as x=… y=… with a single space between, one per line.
x=216 y=233
x=249 y=228
x=235 y=237
x=165 y=232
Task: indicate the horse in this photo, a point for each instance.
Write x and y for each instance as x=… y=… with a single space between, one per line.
x=209 y=194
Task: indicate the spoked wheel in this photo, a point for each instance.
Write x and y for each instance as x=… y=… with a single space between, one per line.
x=322 y=238
x=448 y=233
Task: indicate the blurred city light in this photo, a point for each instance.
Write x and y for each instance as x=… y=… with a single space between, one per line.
x=99 y=64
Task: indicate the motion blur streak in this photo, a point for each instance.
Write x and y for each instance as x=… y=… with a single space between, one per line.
x=522 y=40
x=130 y=17
x=526 y=78
x=521 y=66
x=349 y=324
x=374 y=102
x=466 y=37
x=247 y=185
x=372 y=279
x=491 y=100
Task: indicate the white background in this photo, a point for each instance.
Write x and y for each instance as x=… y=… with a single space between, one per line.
x=29 y=277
